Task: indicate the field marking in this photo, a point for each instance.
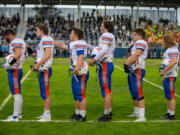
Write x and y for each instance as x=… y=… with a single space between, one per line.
x=150 y=82
x=91 y=121
x=9 y=96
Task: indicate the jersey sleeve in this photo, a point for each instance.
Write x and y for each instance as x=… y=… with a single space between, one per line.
x=47 y=42
x=141 y=45
x=107 y=38
x=80 y=48
x=173 y=53
x=17 y=43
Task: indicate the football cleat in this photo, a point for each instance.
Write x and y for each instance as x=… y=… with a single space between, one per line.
x=105 y=118
x=45 y=118
x=165 y=116
x=79 y=118
x=171 y=117
x=11 y=119
x=73 y=116
x=140 y=120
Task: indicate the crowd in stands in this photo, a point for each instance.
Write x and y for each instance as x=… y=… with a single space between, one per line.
x=60 y=28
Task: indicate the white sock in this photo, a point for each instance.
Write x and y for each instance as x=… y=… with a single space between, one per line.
x=172 y=112
x=20 y=111
x=47 y=112
x=141 y=112
x=136 y=110
x=77 y=111
x=168 y=111
x=106 y=112
x=83 y=113
x=17 y=104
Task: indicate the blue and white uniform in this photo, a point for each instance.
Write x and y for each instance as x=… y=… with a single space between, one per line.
x=135 y=79
x=15 y=75
x=46 y=42
x=170 y=78
x=106 y=68
x=78 y=83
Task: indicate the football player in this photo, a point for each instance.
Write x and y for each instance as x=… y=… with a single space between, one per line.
x=135 y=67
x=107 y=45
x=170 y=73
x=78 y=53
x=17 y=49
x=44 y=59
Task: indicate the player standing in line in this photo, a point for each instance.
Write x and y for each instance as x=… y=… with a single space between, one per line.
x=107 y=44
x=17 y=50
x=170 y=72
x=44 y=52
x=78 y=53
x=135 y=78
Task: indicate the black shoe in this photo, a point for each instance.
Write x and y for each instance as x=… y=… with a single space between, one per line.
x=111 y=114
x=171 y=117
x=79 y=118
x=166 y=116
x=73 y=116
x=106 y=117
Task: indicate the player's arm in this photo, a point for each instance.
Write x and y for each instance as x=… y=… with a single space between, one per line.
x=100 y=54
x=172 y=63
x=78 y=64
x=61 y=46
x=44 y=59
x=30 y=51
x=134 y=57
x=90 y=47
x=17 y=55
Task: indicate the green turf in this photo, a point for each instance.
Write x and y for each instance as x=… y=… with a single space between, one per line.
x=63 y=105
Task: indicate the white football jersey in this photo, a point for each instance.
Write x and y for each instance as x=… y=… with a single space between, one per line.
x=169 y=54
x=18 y=43
x=141 y=44
x=75 y=49
x=46 y=42
x=108 y=38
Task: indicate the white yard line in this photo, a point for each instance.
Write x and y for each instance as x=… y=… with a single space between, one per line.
x=91 y=121
x=149 y=82
x=9 y=96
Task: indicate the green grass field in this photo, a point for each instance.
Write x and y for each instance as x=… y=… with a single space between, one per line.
x=63 y=104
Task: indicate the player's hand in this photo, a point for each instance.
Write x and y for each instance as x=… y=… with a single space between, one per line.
x=92 y=62
x=127 y=68
x=35 y=67
x=162 y=73
x=76 y=72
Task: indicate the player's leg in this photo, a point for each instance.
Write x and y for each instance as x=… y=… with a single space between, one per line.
x=44 y=89
x=169 y=89
x=104 y=73
x=137 y=89
x=77 y=106
x=14 y=78
x=135 y=102
x=81 y=95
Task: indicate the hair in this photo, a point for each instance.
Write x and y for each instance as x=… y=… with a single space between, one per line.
x=109 y=25
x=9 y=31
x=43 y=28
x=169 y=40
x=79 y=33
x=140 y=31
